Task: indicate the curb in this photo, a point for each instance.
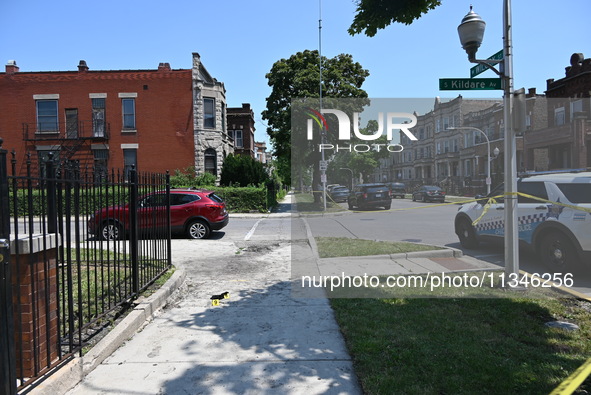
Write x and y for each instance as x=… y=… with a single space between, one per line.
x=67 y=377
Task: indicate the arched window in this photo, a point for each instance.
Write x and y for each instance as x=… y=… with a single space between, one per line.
x=211 y=161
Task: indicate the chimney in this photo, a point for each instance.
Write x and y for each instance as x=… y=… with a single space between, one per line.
x=531 y=92
x=164 y=67
x=82 y=67
x=11 y=67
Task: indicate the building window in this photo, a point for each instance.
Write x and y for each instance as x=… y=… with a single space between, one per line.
x=208 y=112
x=575 y=106
x=98 y=117
x=128 y=110
x=71 y=123
x=129 y=161
x=101 y=157
x=47 y=120
x=559 y=116
x=211 y=161
x=238 y=142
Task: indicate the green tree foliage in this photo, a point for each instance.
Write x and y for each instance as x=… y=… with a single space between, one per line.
x=372 y=15
x=187 y=178
x=241 y=170
x=299 y=77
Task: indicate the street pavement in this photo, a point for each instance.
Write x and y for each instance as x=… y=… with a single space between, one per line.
x=270 y=336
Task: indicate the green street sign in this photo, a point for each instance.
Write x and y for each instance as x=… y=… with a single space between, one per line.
x=469 y=84
x=480 y=68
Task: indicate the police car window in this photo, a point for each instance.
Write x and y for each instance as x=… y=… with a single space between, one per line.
x=537 y=189
x=576 y=193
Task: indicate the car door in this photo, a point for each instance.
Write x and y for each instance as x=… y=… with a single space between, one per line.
x=531 y=212
x=152 y=211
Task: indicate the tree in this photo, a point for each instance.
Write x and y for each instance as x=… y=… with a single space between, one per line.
x=372 y=15
x=299 y=77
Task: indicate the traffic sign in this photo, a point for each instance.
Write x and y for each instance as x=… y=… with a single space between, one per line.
x=469 y=84
x=323 y=165
x=480 y=68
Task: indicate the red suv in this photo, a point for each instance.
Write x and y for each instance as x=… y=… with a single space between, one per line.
x=193 y=212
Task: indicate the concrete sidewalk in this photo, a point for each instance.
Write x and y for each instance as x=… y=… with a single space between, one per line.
x=262 y=340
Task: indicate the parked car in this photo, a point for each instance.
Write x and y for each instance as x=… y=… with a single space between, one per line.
x=193 y=212
x=370 y=195
x=397 y=189
x=429 y=193
x=331 y=186
x=558 y=228
x=339 y=194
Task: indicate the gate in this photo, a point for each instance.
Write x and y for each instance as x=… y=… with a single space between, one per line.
x=65 y=276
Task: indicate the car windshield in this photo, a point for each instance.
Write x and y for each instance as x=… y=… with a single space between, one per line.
x=215 y=198
x=433 y=188
x=341 y=189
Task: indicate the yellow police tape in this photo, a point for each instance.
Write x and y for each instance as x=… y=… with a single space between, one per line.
x=573 y=381
x=490 y=201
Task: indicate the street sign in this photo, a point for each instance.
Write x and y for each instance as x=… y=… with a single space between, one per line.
x=469 y=84
x=480 y=68
x=323 y=165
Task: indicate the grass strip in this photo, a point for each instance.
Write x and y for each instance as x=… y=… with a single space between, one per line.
x=333 y=247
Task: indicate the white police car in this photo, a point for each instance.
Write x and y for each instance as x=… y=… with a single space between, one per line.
x=558 y=227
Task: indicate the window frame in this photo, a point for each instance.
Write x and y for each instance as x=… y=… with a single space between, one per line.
x=209 y=121
x=55 y=116
x=128 y=116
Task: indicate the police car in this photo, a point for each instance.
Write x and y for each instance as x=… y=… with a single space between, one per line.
x=557 y=227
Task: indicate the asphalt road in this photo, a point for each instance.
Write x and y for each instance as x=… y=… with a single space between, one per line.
x=410 y=221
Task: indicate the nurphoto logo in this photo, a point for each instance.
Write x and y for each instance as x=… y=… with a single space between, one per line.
x=344 y=130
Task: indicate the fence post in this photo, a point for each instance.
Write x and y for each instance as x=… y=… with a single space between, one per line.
x=133 y=229
x=51 y=201
x=7 y=346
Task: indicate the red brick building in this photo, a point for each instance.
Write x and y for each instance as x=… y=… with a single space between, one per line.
x=241 y=129
x=565 y=142
x=156 y=120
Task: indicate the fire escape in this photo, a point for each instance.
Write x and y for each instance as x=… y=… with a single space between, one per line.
x=71 y=147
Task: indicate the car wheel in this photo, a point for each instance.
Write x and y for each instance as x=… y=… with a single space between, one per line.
x=198 y=229
x=351 y=207
x=413 y=198
x=467 y=234
x=388 y=206
x=424 y=199
x=557 y=252
x=111 y=230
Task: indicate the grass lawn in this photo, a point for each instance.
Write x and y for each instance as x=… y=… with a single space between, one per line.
x=330 y=247
x=464 y=345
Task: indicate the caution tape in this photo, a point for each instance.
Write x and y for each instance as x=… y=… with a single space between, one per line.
x=573 y=381
x=491 y=200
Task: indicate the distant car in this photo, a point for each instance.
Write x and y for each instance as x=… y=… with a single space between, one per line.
x=331 y=186
x=193 y=212
x=398 y=189
x=429 y=193
x=370 y=195
x=339 y=194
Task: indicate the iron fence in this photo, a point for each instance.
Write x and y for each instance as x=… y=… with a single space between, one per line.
x=64 y=275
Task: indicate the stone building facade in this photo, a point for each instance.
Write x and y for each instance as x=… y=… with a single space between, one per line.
x=211 y=140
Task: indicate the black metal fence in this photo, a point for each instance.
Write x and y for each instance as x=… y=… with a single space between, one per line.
x=75 y=251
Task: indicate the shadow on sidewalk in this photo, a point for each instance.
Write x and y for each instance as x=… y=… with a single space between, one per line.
x=262 y=341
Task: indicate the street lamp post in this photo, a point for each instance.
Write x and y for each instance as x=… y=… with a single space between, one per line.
x=488 y=179
x=471 y=32
x=345 y=168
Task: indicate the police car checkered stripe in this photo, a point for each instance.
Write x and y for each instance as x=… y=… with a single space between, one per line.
x=528 y=219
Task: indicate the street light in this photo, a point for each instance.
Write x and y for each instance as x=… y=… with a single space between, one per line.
x=488 y=180
x=471 y=32
x=345 y=168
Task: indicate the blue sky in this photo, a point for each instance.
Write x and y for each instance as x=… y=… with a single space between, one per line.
x=240 y=40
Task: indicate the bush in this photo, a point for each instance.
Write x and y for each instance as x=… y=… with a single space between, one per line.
x=240 y=170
